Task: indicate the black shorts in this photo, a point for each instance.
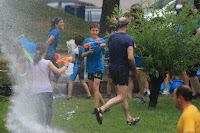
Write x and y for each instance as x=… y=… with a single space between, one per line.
x=120 y=76
x=97 y=75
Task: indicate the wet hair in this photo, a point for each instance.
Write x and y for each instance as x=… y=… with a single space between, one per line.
x=54 y=22
x=94 y=25
x=39 y=51
x=185 y=92
x=79 y=40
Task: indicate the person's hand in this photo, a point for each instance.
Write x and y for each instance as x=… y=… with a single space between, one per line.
x=103 y=45
x=113 y=20
x=66 y=63
x=134 y=46
x=19 y=37
x=91 y=50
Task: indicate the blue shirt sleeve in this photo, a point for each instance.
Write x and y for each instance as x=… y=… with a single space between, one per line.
x=85 y=49
x=130 y=41
x=55 y=33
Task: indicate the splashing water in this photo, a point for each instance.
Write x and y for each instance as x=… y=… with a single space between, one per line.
x=21 y=117
x=71 y=46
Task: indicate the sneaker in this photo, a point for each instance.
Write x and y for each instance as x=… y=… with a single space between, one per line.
x=54 y=95
x=109 y=96
x=140 y=100
x=165 y=92
x=147 y=93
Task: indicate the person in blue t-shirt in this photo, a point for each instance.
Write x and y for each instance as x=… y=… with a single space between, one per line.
x=78 y=68
x=94 y=64
x=121 y=56
x=51 y=43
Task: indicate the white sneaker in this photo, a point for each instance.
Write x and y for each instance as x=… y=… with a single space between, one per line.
x=165 y=92
x=147 y=92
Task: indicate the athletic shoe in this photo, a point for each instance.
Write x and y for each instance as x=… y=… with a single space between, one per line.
x=140 y=100
x=147 y=93
x=109 y=96
x=54 y=95
x=165 y=92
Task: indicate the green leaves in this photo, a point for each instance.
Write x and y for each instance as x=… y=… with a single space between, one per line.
x=168 y=43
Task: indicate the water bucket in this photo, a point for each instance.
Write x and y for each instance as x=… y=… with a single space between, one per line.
x=137 y=61
x=168 y=87
x=69 y=70
x=198 y=72
x=138 y=58
x=176 y=83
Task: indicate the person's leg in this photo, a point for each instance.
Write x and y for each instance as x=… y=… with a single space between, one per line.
x=109 y=84
x=140 y=82
x=71 y=83
x=165 y=83
x=48 y=100
x=121 y=95
x=195 y=85
x=70 y=87
x=130 y=87
x=85 y=86
x=90 y=83
x=97 y=95
x=185 y=77
x=38 y=104
x=146 y=84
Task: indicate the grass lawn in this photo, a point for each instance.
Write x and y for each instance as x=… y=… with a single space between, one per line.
x=4 y=103
x=162 y=119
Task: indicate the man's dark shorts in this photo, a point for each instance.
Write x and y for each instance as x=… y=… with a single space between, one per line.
x=120 y=76
x=97 y=75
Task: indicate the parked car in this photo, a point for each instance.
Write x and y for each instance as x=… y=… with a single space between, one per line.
x=92 y=13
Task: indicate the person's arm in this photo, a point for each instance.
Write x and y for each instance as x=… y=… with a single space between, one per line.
x=56 y=70
x=106 y=59
x=91 y=50
x=131 y=59
x=103 y=51
x=49 y=41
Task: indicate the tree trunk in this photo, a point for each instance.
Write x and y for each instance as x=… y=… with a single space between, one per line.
x=107 y=9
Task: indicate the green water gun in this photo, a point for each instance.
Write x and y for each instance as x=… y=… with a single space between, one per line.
x=26 y=53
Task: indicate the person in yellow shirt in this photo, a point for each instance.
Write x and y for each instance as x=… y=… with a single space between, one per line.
x=189 y=121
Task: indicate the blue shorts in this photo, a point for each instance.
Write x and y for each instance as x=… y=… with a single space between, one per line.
x=76 y=72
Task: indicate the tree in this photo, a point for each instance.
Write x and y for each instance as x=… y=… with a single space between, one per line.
x=107 y=10
x=169 y=45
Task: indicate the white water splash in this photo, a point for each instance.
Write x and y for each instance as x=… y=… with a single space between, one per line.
x=21 y=117
x=70 y=46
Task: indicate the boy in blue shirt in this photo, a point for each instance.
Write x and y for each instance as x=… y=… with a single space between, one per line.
x=94 y=64
x=78 y=68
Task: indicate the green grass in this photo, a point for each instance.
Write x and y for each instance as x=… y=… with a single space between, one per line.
x=4 y=103
x=162 y=119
